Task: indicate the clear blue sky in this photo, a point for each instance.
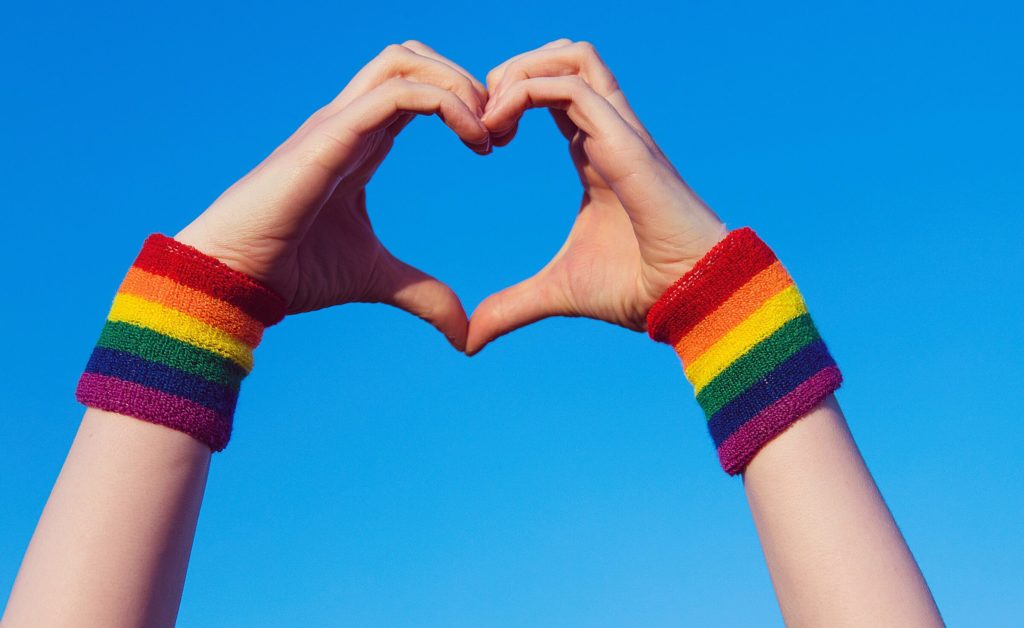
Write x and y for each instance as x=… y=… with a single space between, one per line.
x=564 y=476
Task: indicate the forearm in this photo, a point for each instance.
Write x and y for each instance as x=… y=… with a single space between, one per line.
x=834 y=552
x=113 y=543
x=765 y=378
x=112 y=546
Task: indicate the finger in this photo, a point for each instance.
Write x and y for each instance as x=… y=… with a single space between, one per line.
x=644 y=182
x=505 y=137
x=397 y=61
x=512 y=308
x=591 y=113
x=332 y=141
x=580 y=58
x=495 y=75
x=424 y=296
x=389 y=102
x=576 y=58
x=401 y=62
x=422 y=49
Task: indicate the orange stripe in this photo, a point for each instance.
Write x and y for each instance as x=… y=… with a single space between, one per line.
x=744 y=302
x=199 y=305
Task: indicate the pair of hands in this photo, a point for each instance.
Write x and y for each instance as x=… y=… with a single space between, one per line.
x=298 y=222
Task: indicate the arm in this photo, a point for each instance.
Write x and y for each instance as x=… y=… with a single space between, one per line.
x=833 y=550
x=113 y=542
x=112 y=545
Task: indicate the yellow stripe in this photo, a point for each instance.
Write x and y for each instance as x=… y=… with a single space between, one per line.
x=128 y=308
x=775 y=313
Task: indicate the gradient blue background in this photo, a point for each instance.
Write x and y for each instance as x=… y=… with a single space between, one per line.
x=563 y=476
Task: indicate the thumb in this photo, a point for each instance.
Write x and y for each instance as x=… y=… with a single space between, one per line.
x=418 y=293
x=516 y=306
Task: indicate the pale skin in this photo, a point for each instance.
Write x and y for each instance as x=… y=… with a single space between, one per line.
x=112 y=545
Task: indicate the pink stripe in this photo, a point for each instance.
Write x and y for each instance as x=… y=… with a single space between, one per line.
x=155 y=406
x=737 y=450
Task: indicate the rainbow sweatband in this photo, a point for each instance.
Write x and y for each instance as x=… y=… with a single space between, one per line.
x=178 y=341
x=748 y=346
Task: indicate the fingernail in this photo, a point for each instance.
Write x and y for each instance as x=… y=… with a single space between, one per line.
x=483 y=145
x=454 y=343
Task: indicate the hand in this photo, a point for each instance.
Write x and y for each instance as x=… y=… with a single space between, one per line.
x=639 y=227
x=298 y=221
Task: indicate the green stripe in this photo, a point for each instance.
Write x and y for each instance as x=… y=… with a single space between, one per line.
x=759 y=361
x=156 y=347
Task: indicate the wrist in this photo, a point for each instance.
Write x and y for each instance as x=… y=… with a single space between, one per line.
x=179 y=340
x=681 y=256
x=197 y=237
x=747 y=343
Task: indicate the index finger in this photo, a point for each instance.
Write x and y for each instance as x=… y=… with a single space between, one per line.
x=498 y=72
x=422 y=49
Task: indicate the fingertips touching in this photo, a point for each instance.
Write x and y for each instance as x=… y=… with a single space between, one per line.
x=416 y=62
x=387 y=107
x=453 y=111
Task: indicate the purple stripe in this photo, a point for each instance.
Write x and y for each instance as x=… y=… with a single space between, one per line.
x=132 y=368
x=768 y=389
x=737 y=450
x=154 y=406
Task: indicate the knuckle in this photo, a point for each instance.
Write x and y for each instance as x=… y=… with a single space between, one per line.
x=515 y=69
x=562 y=41
x=318 y=115
x=444 y=100
x=585 y=49
x=577 y=87
x=465 y=85
x=449 y=99
x=413 y=43
x=576 y=82
x=492 y=76
x=393 y=54
x=515 y=92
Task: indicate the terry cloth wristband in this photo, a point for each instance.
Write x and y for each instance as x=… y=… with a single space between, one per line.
x=178 y=341
x=748 y=346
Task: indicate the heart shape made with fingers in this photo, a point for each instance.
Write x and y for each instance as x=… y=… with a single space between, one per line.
x=299 y=221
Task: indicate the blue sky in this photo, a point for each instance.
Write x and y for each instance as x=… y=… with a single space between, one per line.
x=564 y=476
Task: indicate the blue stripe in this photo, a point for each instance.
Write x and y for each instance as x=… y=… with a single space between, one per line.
x=769 y=389
x=168 y=379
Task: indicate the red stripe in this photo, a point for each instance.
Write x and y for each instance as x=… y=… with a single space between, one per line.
x=191 y=267
x=722 y=271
